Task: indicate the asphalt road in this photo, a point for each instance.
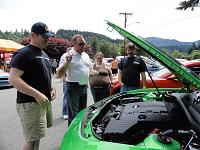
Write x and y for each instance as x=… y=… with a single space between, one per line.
x=11 y=136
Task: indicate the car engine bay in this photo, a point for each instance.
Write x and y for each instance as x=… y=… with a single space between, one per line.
x=162 y=118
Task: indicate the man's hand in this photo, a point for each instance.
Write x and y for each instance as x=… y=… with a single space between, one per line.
x=20 y=85
x=53 y=93
x=121 y=83
x=68 y=57
x=41 y=99
x=112 y=85
x=61 y=70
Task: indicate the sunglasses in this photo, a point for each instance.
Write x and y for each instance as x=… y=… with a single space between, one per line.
x=81 y=44
x=129 y=48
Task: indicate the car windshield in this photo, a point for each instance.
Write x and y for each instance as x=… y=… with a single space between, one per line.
x=161 y=72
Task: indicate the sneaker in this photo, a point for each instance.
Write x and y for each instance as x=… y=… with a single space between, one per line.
x=65 y=117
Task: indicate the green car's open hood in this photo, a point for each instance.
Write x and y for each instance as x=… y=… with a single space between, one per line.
x=186 y=76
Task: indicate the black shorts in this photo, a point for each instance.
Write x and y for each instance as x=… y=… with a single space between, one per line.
x=114 y=71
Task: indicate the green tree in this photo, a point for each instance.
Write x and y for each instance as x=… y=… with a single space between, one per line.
x=96 y=42
x=114 y=49
x=105 y=49
x=198 y=47
x=55 y=48
x=25 y=33
x=166 y=51
x=95 y=45
x=195 y=54
x=177 y=54
x=64 y=34
x=2 y=35
x=140 y=52
x=188 y=4
x=193 y=47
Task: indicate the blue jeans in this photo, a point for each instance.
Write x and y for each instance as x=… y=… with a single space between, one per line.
x=125 y=88
x=65 y=101
x=77 y=99
x=100 y=93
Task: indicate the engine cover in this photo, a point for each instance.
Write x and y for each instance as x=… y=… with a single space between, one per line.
x=142 y=116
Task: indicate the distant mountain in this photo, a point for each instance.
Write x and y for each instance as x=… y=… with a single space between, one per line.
x=160 y=42
x=171 y=44
x=67 y=34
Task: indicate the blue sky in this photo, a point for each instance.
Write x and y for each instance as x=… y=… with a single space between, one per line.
x=157 y=18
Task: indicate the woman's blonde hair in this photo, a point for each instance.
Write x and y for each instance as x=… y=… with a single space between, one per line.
x=98 y=54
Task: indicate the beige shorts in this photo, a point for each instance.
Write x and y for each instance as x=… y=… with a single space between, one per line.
x=35 y=119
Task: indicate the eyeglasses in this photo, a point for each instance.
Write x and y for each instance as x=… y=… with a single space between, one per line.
x=99 y=58
x=129 y=48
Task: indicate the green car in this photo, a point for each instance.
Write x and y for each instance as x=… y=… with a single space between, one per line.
x=142 y=119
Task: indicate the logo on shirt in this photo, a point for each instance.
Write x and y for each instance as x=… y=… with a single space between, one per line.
x=40 y=57
x=136 y=63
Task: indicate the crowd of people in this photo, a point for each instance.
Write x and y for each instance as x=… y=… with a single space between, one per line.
x=31 y=74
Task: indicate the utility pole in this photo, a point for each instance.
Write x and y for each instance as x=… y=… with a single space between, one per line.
x=125 y=20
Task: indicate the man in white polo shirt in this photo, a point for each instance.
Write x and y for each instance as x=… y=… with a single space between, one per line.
x=76 y=64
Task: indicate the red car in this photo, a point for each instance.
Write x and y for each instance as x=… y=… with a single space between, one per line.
x=163 y=78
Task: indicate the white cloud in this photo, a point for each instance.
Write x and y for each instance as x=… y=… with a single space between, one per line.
x=157 y=18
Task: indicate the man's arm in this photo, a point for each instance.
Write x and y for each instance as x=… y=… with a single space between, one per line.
x=63 y=65
x=120 y=76
x=61 y=70
x=23 y=87
x=143 y=79
x=110 y=75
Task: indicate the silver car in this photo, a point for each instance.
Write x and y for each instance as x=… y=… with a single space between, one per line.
x=4 y=83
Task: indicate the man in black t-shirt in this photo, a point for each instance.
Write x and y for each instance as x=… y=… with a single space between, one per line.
x=30 y=74
x=130 y=69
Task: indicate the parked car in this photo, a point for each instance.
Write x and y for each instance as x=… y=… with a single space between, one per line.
x=152 y=65
x=4 y=83
x=118 y=58
x=142 y=119
x=181 y=59
x=163 y=78
x=166 y=79
x=107 y=61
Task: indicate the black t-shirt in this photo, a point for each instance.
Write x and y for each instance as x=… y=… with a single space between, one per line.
x=131 y=68
x=35 y=64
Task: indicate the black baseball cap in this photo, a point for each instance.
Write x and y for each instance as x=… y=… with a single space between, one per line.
x=42 y=29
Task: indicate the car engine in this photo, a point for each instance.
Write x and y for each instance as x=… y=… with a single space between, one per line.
x=129 y=120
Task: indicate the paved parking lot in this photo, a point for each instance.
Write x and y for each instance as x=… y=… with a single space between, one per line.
x=11 y=137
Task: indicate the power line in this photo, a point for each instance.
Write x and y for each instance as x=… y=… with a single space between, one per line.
x=172 y=22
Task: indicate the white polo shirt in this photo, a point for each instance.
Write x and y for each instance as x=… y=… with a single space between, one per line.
x=78 y=69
